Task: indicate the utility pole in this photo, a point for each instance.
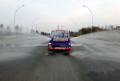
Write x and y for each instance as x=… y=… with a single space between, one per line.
x=91 y=16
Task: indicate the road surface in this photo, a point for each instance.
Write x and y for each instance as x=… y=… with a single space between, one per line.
x=26 y=58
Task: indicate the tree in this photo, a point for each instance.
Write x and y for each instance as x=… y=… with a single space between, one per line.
x=37 y=31
x=1 y=28
x=17 y=29
x=8 y=29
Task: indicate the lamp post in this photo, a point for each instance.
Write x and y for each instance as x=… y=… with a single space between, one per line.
x=16 y=12
x=91 y=16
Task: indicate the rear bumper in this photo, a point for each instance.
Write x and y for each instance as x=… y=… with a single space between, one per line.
x=59 y=48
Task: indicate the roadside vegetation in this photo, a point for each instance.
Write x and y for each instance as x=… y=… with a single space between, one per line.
x=86 y=31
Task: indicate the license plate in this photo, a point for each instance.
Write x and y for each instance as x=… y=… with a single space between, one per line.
x=59 y=47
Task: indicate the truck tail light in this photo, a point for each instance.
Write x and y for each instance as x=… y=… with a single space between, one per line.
x=49 y=43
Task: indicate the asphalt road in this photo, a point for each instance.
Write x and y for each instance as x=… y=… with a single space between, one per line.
x=26 y=59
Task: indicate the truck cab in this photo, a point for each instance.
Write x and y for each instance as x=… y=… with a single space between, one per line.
x=60 y=40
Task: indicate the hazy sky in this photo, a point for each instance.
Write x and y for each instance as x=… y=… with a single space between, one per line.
x=51 y=13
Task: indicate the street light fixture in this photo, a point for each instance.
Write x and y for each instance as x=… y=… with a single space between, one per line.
x=91 y=16
x=16 y=12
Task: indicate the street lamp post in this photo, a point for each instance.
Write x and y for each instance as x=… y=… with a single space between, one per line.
x=91 y=16
x=16 y=12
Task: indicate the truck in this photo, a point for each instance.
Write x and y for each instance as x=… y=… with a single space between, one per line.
x=59 y=40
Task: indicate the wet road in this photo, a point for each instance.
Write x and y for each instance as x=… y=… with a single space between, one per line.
x=26 y=58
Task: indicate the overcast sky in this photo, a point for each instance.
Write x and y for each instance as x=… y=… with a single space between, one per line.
x=51 y=13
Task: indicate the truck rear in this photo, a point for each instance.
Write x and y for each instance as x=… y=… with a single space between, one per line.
x=60 y=40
